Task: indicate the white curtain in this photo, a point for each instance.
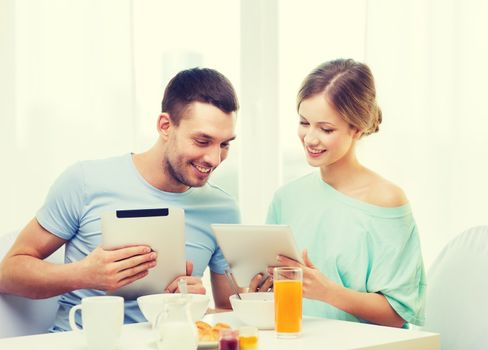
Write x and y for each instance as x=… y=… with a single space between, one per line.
x=66 y=92
x=429 y=58
x=84 y=79
x=429 y=61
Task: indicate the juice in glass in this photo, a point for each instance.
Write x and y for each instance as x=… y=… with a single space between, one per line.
x=248 y=338
x=288 y=302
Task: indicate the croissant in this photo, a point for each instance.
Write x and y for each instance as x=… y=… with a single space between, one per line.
x=208 y=333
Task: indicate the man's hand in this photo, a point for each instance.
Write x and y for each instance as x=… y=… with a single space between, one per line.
x=261 y=284
x=112 y=269
x=194 y=284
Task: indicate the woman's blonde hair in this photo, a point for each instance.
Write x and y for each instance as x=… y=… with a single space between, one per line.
x=349 y=87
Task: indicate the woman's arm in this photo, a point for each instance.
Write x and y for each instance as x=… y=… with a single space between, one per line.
x=372 y=307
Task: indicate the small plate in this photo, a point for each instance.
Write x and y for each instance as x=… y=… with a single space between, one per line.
x=208 y=344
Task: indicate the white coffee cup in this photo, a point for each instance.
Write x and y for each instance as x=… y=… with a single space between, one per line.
x=102 y=318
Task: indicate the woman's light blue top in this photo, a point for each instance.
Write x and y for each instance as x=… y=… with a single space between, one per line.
x=358 y=245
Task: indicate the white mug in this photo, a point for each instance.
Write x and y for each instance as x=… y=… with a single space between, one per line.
x=102 y=318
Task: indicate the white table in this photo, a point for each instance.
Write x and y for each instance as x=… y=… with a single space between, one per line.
x=317 y=333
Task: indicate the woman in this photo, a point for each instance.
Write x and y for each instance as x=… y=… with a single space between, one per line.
x=362 y=260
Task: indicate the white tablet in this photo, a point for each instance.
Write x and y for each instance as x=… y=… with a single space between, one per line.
x=163 y=229
x=250 y=249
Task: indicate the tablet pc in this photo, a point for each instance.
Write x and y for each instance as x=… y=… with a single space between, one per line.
x=250 y=249
x=163 y=229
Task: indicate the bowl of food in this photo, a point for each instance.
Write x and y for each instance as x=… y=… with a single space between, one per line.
x=254 y=309
x=151 y=305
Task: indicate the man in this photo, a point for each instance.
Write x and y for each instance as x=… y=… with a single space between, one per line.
x=195 y=129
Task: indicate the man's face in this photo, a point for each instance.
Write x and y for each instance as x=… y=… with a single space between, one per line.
x=197 y=145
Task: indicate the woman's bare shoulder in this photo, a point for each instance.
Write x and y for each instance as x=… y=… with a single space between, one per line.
x=384 y=193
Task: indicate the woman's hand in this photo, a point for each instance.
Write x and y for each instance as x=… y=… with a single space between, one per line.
x=372 y=307
x=315 y=284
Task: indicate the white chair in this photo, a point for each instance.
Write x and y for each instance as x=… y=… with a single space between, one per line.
x=24 y=316
x=457 y=292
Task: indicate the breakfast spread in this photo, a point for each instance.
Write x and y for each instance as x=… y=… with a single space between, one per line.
x=246 y=337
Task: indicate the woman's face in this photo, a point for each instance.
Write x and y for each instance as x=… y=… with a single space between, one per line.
x=325 y=136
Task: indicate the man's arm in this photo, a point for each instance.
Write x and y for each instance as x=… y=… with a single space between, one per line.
x=24 y=272
x=221 y=290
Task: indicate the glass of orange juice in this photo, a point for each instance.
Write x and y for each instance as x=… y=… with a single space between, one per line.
x=287 y=283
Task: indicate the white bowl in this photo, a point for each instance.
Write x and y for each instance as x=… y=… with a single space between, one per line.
x=151 y=305
x=255 y=309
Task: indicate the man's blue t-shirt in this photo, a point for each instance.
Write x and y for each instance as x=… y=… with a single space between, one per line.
x=85 y=190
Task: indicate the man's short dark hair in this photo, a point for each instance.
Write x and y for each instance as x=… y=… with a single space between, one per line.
x=198 y=84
